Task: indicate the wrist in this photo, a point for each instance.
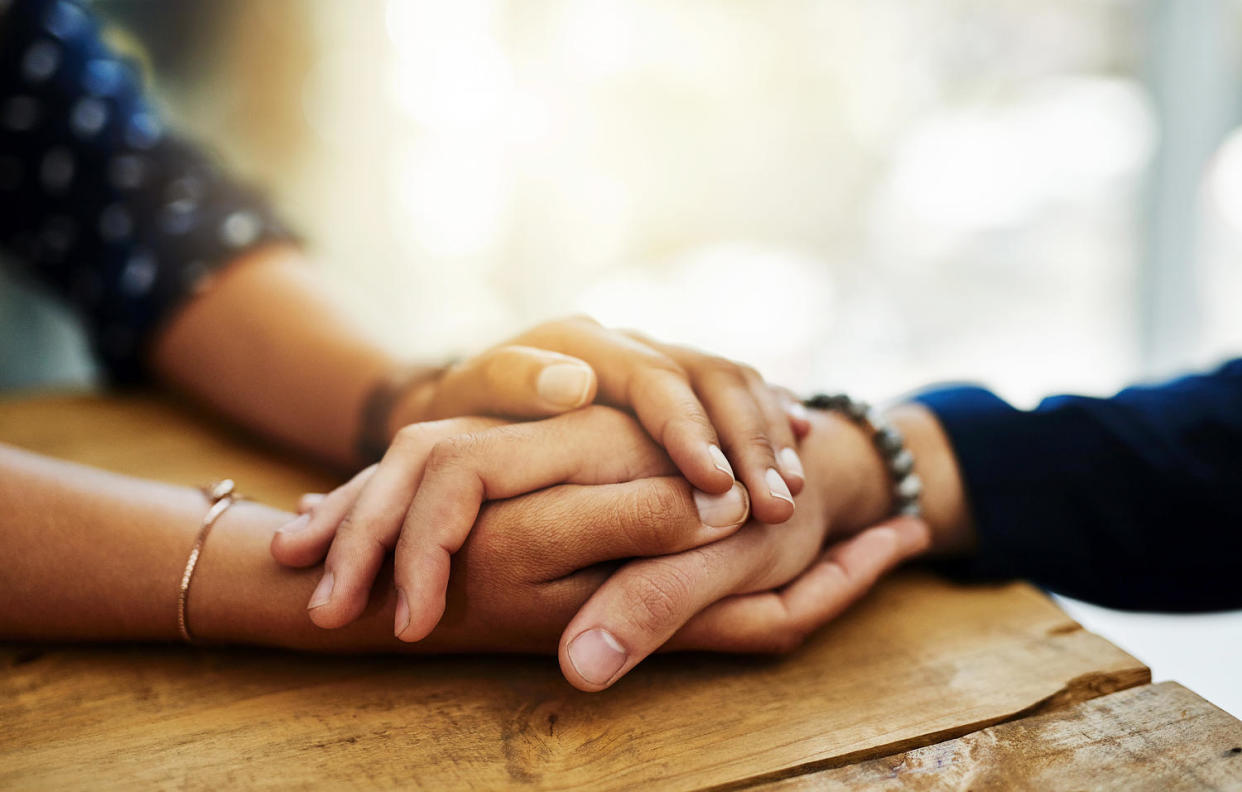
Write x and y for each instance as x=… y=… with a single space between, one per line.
x=860 y=486
x=399 y=397
x=413 y=404
x=240 y=595
x=944 y=500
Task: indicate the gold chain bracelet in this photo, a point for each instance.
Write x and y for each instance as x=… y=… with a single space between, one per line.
x=220 y=496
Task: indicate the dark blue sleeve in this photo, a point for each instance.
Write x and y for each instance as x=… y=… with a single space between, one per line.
x=97 y=201
x=1134 y=501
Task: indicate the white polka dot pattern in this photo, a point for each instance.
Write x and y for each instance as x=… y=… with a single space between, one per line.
x=88 y=117
x=96 y=198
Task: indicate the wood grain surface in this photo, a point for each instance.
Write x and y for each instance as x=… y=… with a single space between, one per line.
x=154 y=438
x=1155 y=737
x=918 y=662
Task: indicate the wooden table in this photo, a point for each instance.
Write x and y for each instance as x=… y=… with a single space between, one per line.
x=924 y=685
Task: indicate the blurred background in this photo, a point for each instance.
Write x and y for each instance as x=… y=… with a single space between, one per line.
x=1045 y=196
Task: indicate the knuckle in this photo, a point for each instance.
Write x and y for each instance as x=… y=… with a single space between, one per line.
x=664 y=504
x=638 y=335
x=658 y=365
x=656 y=598
x=755 y=440
x=721 y=368
x=840 y=574
x=574 y=323
x=449 y=452
x=358 y=539
x=651 y=376
x=654 y=515
x=348 y=527
x=769 y=563
x=750 y=373
x=410 y=436
x=495 y=364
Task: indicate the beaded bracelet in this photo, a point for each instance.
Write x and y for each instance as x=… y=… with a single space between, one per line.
x=907 y=486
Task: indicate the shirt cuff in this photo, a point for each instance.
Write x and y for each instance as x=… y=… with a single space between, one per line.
x=1022 y=473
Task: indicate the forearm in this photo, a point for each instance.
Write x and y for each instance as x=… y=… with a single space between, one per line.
x=91 y=555
x=1129 y=501
x=267 y=346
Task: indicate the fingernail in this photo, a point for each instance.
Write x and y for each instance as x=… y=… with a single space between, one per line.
x=721 y=511
x=791 y=463
x=323 y=592
x=776 y=485
x=796 y=410
x=310 y=500
x=564 y=384
x=402 y=619
x=298 y=523
x=719 y=460
x=597 y=656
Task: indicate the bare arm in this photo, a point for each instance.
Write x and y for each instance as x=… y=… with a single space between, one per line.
x=94 y=555
x=267 y=345
x=90 y=555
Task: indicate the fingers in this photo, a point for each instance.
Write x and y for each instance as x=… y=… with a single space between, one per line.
x=644 y=603
x=308 y=502
x=745 y=432
x=748 y=418
x=799 y=418
x=591 y=446
x=304 y=540
x=647 y=602
x=779 y=621
x=553 y=533
x=368 y=528
x=703 y=410
x=518 y=381
x=633 y=374
x=780 y=432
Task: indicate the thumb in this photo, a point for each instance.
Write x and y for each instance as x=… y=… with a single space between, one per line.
x=779 y=621
x=517 y=381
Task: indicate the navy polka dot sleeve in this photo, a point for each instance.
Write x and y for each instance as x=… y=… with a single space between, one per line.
x=97 y=200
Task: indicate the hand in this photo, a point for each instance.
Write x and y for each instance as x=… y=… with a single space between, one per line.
x=425 y=495
x=526 y=569
x=531 y=562
x=728 y=595
x=732 y=595
x=693 y=404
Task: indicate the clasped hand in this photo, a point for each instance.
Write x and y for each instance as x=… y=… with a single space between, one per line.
x=579 y=532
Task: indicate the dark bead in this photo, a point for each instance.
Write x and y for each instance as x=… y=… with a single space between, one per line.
x=857 y=410
x=888 y=440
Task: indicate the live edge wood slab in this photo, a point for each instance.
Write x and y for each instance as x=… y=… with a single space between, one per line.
x=919 y=662
x=1159 y=737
